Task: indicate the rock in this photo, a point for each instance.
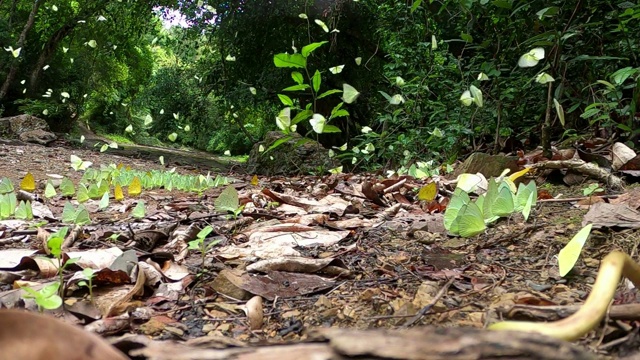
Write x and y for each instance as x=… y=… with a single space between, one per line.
x=27 y=128
x=38 y=137
x=289 y=158
x=487 y=165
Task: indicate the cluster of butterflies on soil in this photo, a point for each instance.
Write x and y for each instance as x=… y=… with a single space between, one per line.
x=467 y=217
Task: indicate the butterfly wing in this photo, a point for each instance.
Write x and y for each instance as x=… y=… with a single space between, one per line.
x=471 y=221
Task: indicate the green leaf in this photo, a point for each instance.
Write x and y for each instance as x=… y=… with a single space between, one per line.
x=285 y=60
x=277 y=143
x=329 y=92
x=296 y=87
x=227 y=200
x=308 y=49
x=316 y=80
x=138 y=211
x=205 y=232
x=297 y=77
x=415 y=5
x=570 y=253
x=331 y=129
x=285 y=100
x=301 y=116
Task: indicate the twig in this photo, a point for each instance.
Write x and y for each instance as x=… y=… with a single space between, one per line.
x=428 y=307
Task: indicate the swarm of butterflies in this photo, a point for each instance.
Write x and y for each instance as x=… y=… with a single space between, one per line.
x=467 y=217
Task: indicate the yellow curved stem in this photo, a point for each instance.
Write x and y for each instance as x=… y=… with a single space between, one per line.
x=595 y=307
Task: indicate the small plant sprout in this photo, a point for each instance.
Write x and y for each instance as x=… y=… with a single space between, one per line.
x=46 y=298
x=54 y=243
x=199 y=244
x=592 y=189
x=88 y=274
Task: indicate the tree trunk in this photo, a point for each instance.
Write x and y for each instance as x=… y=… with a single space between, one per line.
x=21 y=40
x=48 y=51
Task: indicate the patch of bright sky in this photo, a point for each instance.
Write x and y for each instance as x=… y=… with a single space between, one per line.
x=173 y=18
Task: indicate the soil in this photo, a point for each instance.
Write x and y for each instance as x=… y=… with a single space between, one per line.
x=394 y=272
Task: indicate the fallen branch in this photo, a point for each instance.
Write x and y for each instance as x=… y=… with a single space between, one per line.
x=585 y=168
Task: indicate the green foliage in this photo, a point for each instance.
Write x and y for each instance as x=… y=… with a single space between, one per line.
x=46 y=298
x=199 y=243
x=88 y=274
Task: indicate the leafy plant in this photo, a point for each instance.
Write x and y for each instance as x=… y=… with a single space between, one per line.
x=592 y=189
x=88 y=274
x=310 y=83
x=54 y=243
x=199 y=244
x=46 y=298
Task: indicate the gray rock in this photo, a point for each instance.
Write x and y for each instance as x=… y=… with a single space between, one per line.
x=38 y=137
x=295 y=156
x=487 y=165
x=26 y=128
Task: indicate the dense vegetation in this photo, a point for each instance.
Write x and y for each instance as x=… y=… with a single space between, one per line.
x=211 y=80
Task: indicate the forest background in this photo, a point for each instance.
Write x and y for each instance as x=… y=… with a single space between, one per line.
x=393 y=83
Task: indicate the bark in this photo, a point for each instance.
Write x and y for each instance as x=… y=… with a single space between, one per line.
x=21 y=40
x=48 y=51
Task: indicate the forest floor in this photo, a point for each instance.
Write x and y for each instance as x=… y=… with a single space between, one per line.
x=357 y=264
